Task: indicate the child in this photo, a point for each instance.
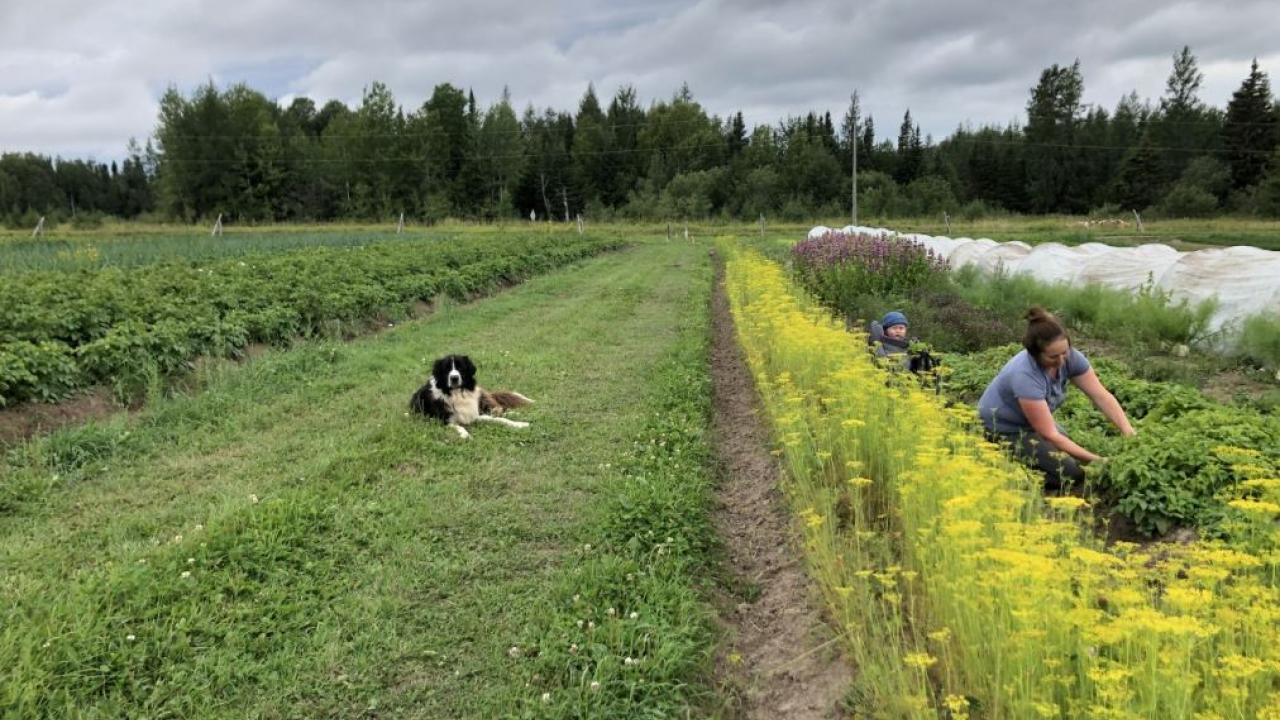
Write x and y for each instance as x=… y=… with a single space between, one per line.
x=890 y=335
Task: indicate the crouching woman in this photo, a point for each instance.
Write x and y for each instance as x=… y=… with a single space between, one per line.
x=1018 y=405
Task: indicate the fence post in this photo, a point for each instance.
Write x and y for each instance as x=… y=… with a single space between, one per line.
x=39 y=227
x=217 y=226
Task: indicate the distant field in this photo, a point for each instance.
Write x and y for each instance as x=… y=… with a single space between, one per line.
x=1182 y=234
x=122 y=244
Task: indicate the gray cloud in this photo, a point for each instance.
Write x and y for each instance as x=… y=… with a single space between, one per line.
x=79 y=80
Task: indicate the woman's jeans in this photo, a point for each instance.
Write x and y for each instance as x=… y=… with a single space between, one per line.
x=1061 y=471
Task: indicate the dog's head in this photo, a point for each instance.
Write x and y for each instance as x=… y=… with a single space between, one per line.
x=454 y=372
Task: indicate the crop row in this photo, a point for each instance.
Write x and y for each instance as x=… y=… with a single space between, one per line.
x=1168 y=476
x=61 y=330
x=964 y=592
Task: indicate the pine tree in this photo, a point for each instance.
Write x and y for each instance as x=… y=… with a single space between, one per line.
x=908 y=164
x=1052 y=114
x=867 y=146
x=1182 y=127
x=593 y=164
x=1137 y=184
x=736 y=139
x=1249 y=131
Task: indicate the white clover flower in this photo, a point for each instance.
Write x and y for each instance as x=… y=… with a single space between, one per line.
x=514 y=652
x=186 y=574
x=253 y=499
x=591 y=625
x=573 y=649
x=634 y=615
x=595 y=685
x=546 y=697
x=130 y=638
x=628 y=661
x=191 y=561
x=579 y=624
x=611 y=611
x=177 y=538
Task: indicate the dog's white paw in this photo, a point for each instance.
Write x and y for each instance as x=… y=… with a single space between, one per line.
x=519 y=424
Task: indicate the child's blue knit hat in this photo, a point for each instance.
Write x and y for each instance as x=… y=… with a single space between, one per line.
x=893 y=318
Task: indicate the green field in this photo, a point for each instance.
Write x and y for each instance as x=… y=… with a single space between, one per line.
x=288 y=544
x=1069 y=230
x=130 y=244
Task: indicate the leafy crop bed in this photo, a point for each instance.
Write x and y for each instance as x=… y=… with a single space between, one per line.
x=60 y=330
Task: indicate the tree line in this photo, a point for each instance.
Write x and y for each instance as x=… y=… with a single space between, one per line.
x=239 y=153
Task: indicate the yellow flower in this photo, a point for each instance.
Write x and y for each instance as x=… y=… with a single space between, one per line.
x=1066 y=503
x=921 y=661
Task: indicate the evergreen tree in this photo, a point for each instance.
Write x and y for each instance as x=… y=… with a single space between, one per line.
x=736 y=138
x=1249 y=130
x=1052 y=115
x=1136 y=184
x=867 y=146
x=626 y=121
x=501 y=156
x=1183 y=128
x=907 y=167
x=593 y=163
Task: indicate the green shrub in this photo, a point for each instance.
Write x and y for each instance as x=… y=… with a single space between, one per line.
x=1260 y=340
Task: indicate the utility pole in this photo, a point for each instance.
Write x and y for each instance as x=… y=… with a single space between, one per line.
x=853 y=103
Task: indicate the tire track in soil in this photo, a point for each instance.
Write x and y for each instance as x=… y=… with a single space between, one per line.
x=779 y=658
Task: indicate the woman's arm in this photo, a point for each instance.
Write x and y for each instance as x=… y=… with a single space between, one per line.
x=1041 y=420
x=1103 y=399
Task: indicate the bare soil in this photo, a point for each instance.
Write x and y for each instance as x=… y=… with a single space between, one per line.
x=29 y=419
x=779 y=658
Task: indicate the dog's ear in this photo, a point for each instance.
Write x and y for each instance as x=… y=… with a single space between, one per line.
x=440 y=367
x=466 y=367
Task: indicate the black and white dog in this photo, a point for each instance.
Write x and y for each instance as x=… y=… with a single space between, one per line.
x=452 y=396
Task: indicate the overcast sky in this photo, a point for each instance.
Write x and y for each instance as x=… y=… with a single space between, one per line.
x=79 y=79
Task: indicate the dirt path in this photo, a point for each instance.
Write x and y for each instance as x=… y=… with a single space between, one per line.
x=779 y=659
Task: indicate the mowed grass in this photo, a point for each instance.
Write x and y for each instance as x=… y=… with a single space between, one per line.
x=289 y=544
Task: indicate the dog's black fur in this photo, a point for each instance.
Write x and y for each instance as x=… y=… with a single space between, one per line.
x=452 y=396
x=437 y=405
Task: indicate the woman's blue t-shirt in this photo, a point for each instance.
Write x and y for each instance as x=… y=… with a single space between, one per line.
x=1022 y=377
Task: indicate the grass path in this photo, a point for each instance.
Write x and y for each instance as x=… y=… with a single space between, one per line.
x=344 y=560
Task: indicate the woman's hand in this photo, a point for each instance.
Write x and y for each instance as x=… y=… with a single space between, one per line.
x=1103 y=400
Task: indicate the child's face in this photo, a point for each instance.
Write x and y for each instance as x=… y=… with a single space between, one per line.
x=897 y=332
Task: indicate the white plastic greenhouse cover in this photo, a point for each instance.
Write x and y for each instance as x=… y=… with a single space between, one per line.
x=1245 y=280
